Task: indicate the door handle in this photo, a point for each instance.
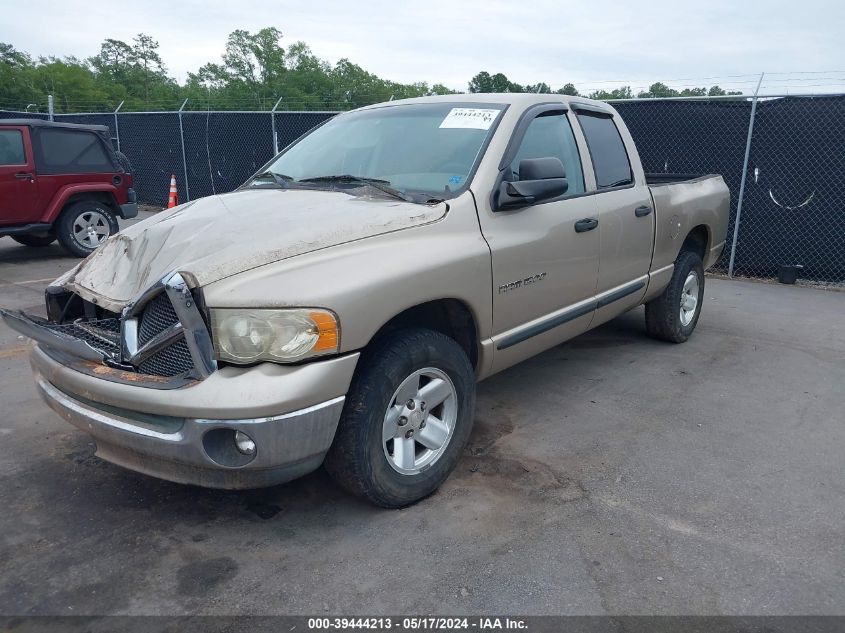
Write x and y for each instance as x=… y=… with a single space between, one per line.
x=642 y=211
x=587 y=224
x=23 y=175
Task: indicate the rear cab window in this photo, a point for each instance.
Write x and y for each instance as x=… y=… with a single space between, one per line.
x=607 y=150
x=11 y=148
x=61 y=151
x=550 y=134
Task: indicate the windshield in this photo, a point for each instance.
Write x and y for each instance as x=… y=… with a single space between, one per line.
x=428 y=148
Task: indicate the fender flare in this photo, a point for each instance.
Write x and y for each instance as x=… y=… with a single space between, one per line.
x=64 y=194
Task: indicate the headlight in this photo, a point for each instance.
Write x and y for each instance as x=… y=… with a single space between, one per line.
x=283 y=336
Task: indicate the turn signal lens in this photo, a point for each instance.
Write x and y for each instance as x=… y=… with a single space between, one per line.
x=327 y=331
x=285 y=335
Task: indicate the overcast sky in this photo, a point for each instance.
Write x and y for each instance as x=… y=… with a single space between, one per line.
x=586 y=42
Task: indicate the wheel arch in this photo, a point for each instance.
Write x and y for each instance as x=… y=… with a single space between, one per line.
x=74 y=194
x=697 y=241
x=105 y=197
x=449 y=316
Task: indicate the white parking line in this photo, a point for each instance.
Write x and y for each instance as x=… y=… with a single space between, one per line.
x=23 y=283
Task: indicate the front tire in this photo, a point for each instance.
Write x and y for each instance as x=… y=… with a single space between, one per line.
x=674 y=314
x=34 y=239
x=406 y=419
x=84 y=226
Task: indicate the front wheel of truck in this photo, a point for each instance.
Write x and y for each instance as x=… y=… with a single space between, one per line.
x=406 y=419
x=673 y=315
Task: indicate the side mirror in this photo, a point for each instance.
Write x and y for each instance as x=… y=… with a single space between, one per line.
x=539 y=179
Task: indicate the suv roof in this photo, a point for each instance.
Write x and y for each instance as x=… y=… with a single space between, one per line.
x=45 y=123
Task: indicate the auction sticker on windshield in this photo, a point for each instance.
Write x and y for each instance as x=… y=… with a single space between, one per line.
x=474 y=118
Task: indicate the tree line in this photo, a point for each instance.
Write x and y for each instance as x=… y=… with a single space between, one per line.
x=253 y=73
x=485 y=82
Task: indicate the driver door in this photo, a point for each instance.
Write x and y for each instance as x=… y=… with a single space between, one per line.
x=18 y=186
x=545 y=257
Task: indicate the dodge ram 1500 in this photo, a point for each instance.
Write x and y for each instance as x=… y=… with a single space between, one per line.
x=340 y=307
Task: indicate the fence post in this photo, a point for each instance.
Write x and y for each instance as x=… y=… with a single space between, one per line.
x=273 y=127
x=49 y=107
x=116 y=127
x=184 y=158
x=744 y=175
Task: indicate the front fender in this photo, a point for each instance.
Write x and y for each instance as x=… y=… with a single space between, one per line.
x=368 y=282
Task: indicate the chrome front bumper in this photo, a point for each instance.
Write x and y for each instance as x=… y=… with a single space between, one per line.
x=183 y=449
x=186 y=435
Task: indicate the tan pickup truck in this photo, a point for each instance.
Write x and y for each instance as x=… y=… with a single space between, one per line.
x=340 y=307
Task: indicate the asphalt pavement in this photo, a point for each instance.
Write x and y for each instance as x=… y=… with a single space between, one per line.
x=612 y=474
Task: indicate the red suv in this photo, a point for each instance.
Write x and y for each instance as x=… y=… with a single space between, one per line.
x=62 y=181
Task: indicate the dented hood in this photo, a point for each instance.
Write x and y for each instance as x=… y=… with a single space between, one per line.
x=219 y=236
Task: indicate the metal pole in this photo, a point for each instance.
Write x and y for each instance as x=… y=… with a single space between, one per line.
x=273 y=127
x=744 y=175
x=184 y=159
x=116 y=127
x=50 y=107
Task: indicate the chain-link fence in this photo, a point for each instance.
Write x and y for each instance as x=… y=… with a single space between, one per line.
x=792 y=211
x=793 y=205
x=208 y=152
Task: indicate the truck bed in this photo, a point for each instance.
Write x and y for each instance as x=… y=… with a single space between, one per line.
x=682 y=202
x=657 y=179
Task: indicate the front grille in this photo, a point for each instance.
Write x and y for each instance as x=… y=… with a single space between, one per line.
x=102 y=334
x=159 y=315
x=171 y=361
x=144 y=324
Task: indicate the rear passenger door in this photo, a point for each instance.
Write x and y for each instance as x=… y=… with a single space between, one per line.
x=626 y=217
x=544 y=268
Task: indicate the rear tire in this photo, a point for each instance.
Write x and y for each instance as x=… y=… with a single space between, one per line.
x=84 y=226
x=674 y=314
x=34 y=239
x=406 y=419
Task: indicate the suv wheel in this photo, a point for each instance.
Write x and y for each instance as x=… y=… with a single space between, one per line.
x=407 y=417
x=84 y=226
x=674 y=314
x=35 y=239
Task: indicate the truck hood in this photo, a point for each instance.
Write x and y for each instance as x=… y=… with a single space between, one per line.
x=219 y=236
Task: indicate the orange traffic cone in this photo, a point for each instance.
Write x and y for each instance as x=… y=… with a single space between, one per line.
x=173 y=198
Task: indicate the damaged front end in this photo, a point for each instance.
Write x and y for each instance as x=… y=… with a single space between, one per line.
x=160 y=338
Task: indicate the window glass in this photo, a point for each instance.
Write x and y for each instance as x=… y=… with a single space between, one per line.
x=551 y=135
x=610 y=160
x=71 y=151
x=423 y=147
x=11 y=148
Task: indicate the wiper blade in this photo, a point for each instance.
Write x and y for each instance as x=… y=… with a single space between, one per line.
x=346 y=178
x=375 y=183
x=280 y=179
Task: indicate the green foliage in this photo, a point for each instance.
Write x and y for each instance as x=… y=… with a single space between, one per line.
x=617 y=93
x=567 y=89
x=658 y=90
x=485 y=82
x=253 y=72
